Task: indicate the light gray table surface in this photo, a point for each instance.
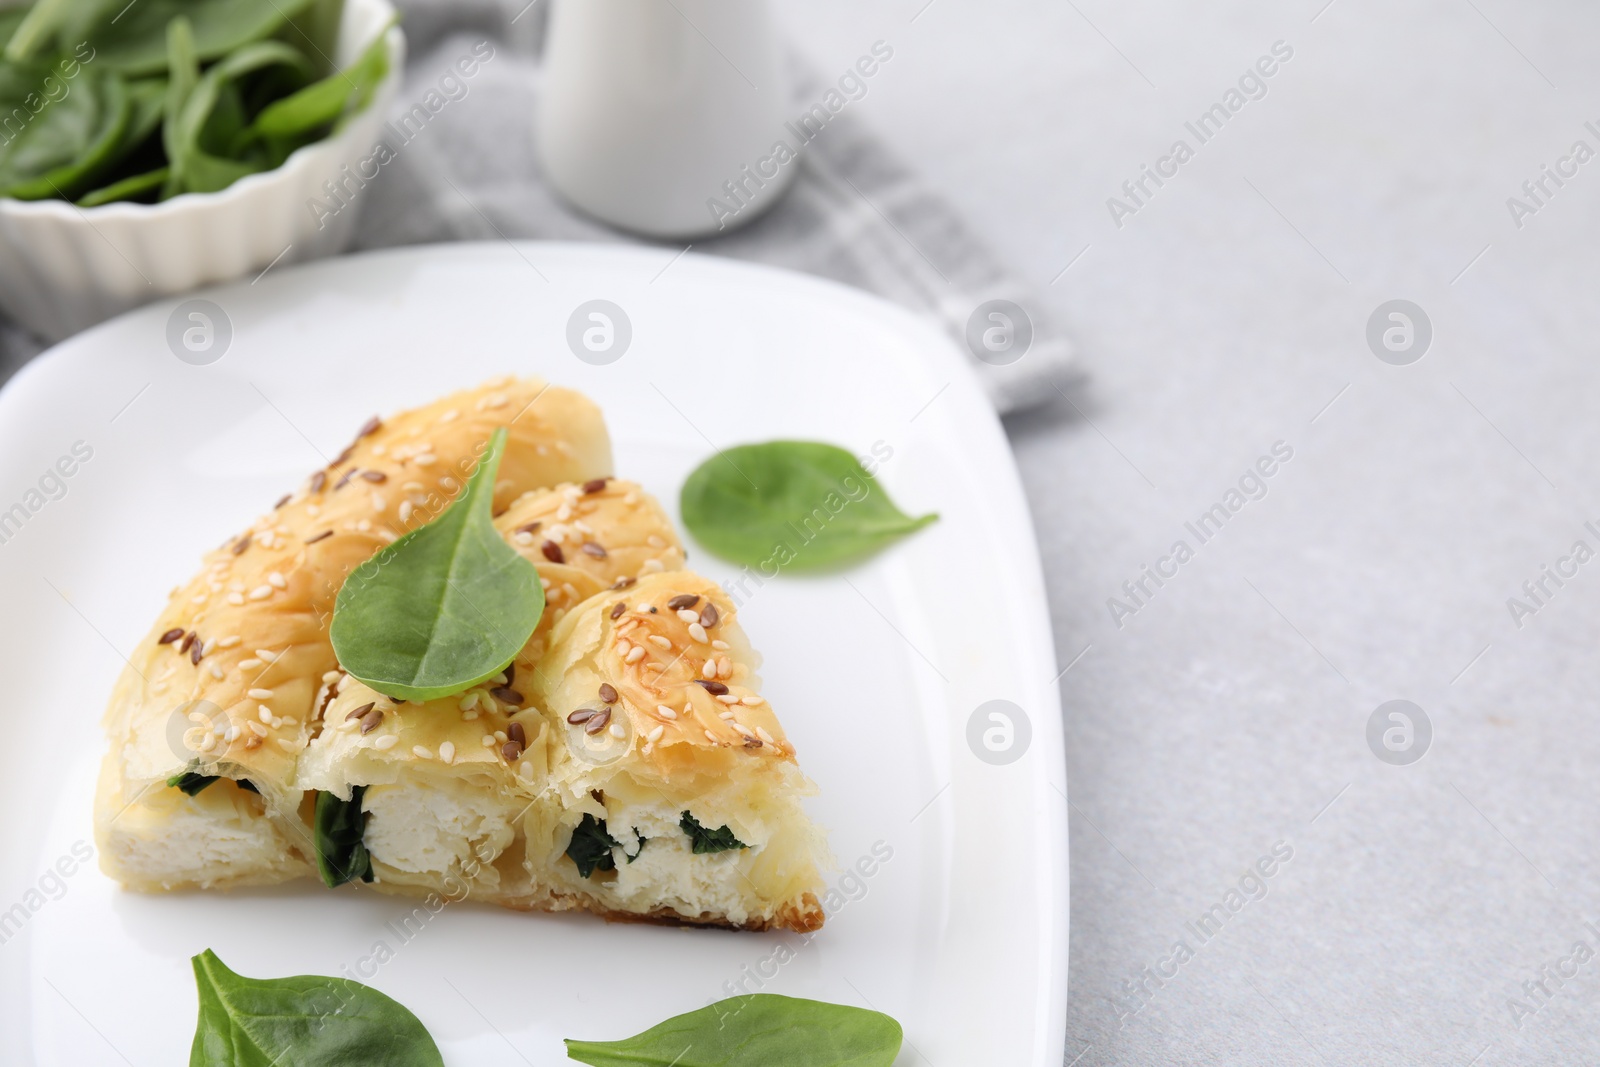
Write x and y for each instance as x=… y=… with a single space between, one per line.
x=1422 y=903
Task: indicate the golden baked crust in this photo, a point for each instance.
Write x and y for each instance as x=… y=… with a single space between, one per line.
x=231 y=677
x=633 y=710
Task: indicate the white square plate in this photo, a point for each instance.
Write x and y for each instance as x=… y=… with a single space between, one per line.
x=876 y=672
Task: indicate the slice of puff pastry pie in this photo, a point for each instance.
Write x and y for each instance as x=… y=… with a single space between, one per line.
x=624 y=762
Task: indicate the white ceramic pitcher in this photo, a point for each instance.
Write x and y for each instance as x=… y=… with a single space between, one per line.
x=659 y=116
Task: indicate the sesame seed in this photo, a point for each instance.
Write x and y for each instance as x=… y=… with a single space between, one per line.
x=230 y=733
x=618 y=731
x=665 y=712
x=655 y=735
x=259 y=694
x=525 y=770
x=698 y=632
x=227 y=642
x=261 y=592
x=329 y=677
x=721 y=645
x=447 y=752
x=500 y=735
x=405 y=510
x=257 y=728
x=379 y=502
x=724 y=667
x=263 y=713
x=427 y=459
x=468 y=701
x=728 y=698
x=365 y=526
x=710 y=736
x=235 y=599
x=487 y=740
x=387 y=741
x=288 y=744
x=199 y=598
x=656 y=541
x=687 y=616
x=249 y=664
x=725 y=714
x=564 y=512
x=268 y=655
x=651 y=566
x=277 y=581
x=216 y=670
x=469 y=716
x=710 y=669
x=761 y=733
x=635 y=654
x=660 y=642
x=741 y=727
x=421 y=752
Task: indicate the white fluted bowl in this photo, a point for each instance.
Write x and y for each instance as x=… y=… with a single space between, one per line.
x=64 y=268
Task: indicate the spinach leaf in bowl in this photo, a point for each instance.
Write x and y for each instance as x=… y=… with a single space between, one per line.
x=234 y=87
x=133 y=38
x=205 y=133
x=59 y=134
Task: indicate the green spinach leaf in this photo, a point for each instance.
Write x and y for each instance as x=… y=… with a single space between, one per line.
x=192 y=783
x=133 y=38
x=56 y=133
x=340 y=825
x=204 y=131
x=134 y=187
x=445 y=607
x=309 y=113
x=703 y=841
x=760 y=1030
x=304 y=1021
x=590 y=847
x=790 y=504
